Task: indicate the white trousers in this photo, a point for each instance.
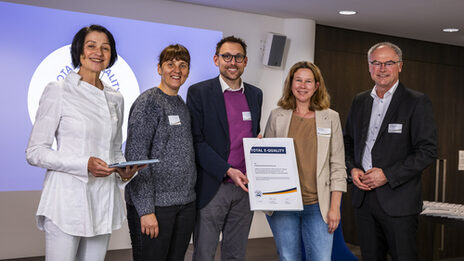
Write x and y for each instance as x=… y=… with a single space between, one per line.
x=60 y=246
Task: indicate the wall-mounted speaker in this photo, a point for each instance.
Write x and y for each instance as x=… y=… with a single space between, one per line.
x=274 y=49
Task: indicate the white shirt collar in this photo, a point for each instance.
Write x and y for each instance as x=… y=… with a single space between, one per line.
x=387 y=94
x=226 y=87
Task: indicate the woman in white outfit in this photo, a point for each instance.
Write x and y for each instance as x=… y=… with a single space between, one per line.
x=81 y=201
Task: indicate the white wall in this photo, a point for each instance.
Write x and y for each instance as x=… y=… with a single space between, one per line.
x=19 y=236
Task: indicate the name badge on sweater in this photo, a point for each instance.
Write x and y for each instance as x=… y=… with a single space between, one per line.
x=174 y=119
x=395 y=128
x=323 y=132
x=246 y=115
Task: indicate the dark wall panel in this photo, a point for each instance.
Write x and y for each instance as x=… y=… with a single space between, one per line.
x=435 y=69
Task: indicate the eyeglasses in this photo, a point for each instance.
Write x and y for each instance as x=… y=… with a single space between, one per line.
x=228 y=57
x=387 y=64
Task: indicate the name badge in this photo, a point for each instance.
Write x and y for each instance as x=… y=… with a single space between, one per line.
x=324 y=132
x=246 y=115
x=174 y=119
x=395 y=128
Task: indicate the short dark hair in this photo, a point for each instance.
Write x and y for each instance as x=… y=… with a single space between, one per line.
x=174 y=52
x=231 y=39
x=77 y=45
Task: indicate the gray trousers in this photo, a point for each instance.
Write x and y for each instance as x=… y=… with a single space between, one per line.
x=228 y=212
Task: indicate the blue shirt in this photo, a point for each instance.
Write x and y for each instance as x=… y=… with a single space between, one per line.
x=379 y=109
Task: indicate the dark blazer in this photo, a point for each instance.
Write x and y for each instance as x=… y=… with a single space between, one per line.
x=210 y=130
x=402 y=156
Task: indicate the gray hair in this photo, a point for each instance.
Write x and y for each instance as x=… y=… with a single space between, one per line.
x=391 y=45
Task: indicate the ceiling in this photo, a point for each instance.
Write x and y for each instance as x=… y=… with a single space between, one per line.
x=415 y=19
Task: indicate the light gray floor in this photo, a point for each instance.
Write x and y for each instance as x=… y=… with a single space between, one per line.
x=261 y=249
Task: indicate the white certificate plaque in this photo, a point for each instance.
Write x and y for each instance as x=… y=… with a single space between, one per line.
x=273 y=174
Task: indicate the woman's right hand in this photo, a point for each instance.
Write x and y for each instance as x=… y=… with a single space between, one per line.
x=98 y=167
x=149 y=225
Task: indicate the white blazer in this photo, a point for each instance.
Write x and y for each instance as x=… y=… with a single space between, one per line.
x=86 y=122
x=330 y=169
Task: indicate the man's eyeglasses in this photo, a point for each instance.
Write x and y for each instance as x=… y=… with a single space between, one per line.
x=228 y=57
x=387 y=64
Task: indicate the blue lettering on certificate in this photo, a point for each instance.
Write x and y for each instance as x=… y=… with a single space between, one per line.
x=271 y=150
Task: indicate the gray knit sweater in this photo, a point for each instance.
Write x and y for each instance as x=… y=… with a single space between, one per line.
x=154 y=133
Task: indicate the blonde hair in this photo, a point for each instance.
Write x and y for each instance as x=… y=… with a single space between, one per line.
x=320 y=99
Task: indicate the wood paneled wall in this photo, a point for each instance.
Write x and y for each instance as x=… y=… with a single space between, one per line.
x=434 y=69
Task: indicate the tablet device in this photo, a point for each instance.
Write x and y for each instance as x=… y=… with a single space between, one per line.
x=131 y=163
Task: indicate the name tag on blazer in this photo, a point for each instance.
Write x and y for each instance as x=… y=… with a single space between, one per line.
x=174 y=119
x=246 y=116
x=395 y=128
x=324 y=132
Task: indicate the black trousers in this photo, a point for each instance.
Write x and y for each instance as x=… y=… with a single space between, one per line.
x=175 y=224
x=380 y=233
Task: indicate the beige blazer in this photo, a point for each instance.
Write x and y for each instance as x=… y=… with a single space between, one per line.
x=331 y=170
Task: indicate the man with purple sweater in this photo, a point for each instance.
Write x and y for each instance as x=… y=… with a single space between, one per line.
x=224 y=110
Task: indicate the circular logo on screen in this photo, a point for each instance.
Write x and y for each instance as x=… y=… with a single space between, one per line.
x=57 y=65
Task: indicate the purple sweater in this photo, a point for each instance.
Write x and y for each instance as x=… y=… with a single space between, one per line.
x=239 y=119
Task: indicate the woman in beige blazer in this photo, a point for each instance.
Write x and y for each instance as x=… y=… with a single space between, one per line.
x=304 y=115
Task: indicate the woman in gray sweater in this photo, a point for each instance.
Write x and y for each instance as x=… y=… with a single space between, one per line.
x=161 y=199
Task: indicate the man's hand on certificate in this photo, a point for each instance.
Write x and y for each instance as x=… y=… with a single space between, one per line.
x=238 y=178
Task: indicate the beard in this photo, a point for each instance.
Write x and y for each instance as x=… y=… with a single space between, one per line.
x=231 y=76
